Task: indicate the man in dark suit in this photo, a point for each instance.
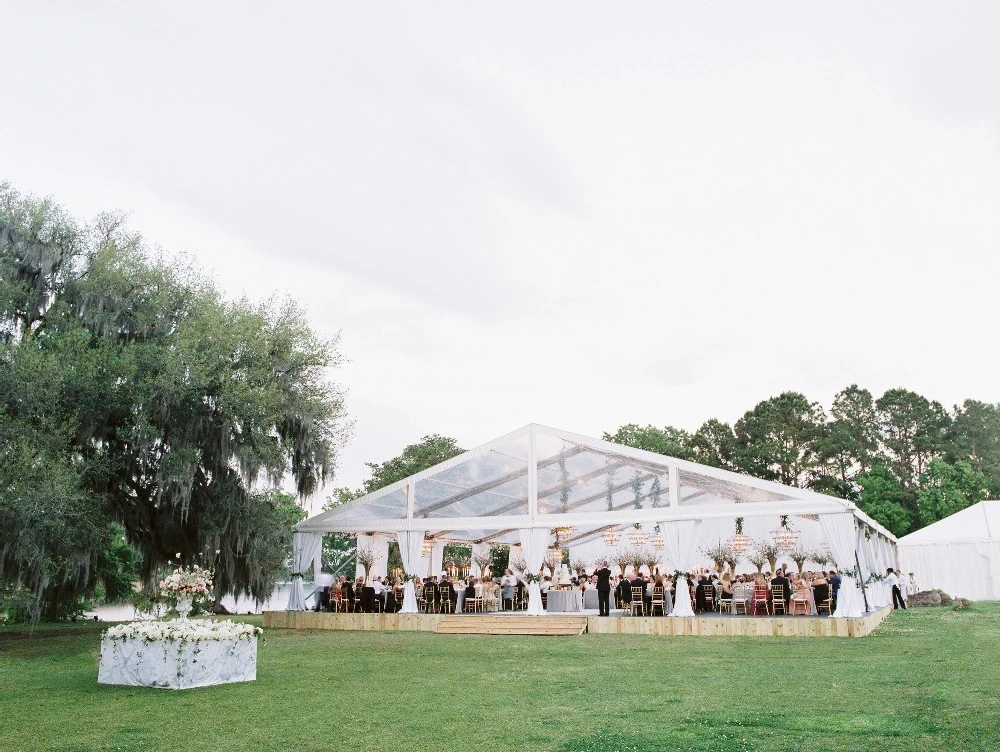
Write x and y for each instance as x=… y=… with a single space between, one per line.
x=603 y=589
x=704 y=595
x=786 y=585
x=446 y=592
x=639 y=582
x=624 y=591
x=834 y=579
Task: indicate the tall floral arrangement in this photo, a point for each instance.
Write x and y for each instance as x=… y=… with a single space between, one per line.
x=719 y=553
x=192 y=583
x=770 y=550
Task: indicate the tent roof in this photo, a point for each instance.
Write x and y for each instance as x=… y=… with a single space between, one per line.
x=488 y=493
x=980 y=522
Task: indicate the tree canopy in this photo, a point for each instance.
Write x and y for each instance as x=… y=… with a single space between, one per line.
x=133 y=392
x=906 y=460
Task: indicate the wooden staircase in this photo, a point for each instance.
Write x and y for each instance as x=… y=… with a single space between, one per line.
x=513 y=625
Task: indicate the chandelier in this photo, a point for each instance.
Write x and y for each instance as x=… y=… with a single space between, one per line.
x=611 y=537
x=740 y=542
x=658 y=542
x=428 y=546
x=638 y=538
x=555 y=557
x=784 y=536
x=562 y=533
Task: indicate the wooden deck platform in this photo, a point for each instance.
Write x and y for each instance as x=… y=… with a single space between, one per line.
x=703 y=626
x=549 y=626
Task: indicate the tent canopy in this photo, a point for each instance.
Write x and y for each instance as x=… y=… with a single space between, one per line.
x=540 y=477
x=959 y=554
x=980 y=522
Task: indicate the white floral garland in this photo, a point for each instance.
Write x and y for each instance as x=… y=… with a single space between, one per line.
x=197 y=630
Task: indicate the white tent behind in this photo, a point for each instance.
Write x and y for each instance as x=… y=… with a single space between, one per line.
x=959 y=554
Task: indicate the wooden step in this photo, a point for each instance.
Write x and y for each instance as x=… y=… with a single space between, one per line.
x=558 y=626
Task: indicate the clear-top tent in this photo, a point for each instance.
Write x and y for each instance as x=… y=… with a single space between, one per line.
x=520 y=487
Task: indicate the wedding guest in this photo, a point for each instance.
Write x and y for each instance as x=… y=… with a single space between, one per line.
x=912 y=585
x=603 y=575
x=507 y=585
x=786 y=589
x=893 y=582
x=546 y=584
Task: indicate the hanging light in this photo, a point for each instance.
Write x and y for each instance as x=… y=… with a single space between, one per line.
x=784 y=536
x=638 y=538
x=740 y=542
x=562 y=533
x=658 y=542
x=611 y=537
x=428 y=546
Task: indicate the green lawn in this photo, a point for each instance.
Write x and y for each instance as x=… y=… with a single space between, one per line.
x=927 y=680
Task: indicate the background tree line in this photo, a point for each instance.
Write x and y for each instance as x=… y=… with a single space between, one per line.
x=905 y=460
x=142 y=411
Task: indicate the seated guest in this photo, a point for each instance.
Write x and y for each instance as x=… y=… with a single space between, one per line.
x=546 y=584
x=623 y=593
x=446 y=591
x=470 y=589
x=783 y=582
x=379 y=589
x=820 y=590
x=727 y=586
x=347 y=595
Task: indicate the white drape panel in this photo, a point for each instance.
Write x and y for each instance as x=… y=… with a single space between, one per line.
x=411 y=545
x=534 y=541
x=681 y=539
x=305 y=547
x=838 y=529
x=968 y=569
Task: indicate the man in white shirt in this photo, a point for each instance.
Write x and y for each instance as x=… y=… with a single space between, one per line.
x=379 y=588
x=897 y=596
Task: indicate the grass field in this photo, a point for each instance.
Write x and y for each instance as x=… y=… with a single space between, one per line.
x=927 y=680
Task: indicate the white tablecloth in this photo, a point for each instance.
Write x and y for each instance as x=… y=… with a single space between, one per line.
x=563 y=600
x=590 y=600
x=177 y=665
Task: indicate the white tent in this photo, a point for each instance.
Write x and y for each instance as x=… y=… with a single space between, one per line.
x=959 y=554
x=520 y=488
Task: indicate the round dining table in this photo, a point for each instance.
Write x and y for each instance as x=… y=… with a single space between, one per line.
x=563 y=601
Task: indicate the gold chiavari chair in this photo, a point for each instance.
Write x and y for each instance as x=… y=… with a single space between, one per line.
x=637 y=601
x=778 y=599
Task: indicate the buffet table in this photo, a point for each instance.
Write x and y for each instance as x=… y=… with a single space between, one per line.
x=159 y=654
x=562 y=600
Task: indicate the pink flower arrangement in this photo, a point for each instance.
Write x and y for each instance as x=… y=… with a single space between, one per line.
x=187 y=583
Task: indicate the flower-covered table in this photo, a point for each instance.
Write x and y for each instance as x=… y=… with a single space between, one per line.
x=179 y=654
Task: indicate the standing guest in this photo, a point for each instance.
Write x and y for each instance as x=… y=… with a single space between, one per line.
x=897 y=597
x=603 y=576
x=507 y=584
x=912 y=585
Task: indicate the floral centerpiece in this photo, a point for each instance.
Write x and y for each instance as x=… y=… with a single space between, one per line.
x=179 y=654
x=184 y=631
x=185 y=588
x=530 y=577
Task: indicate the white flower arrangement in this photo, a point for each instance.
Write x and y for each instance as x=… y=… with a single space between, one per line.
x=198 y=630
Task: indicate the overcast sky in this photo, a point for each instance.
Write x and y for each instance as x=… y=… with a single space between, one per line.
x=575 y=214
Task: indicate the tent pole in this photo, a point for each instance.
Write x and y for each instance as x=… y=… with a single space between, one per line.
x=864 y=592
